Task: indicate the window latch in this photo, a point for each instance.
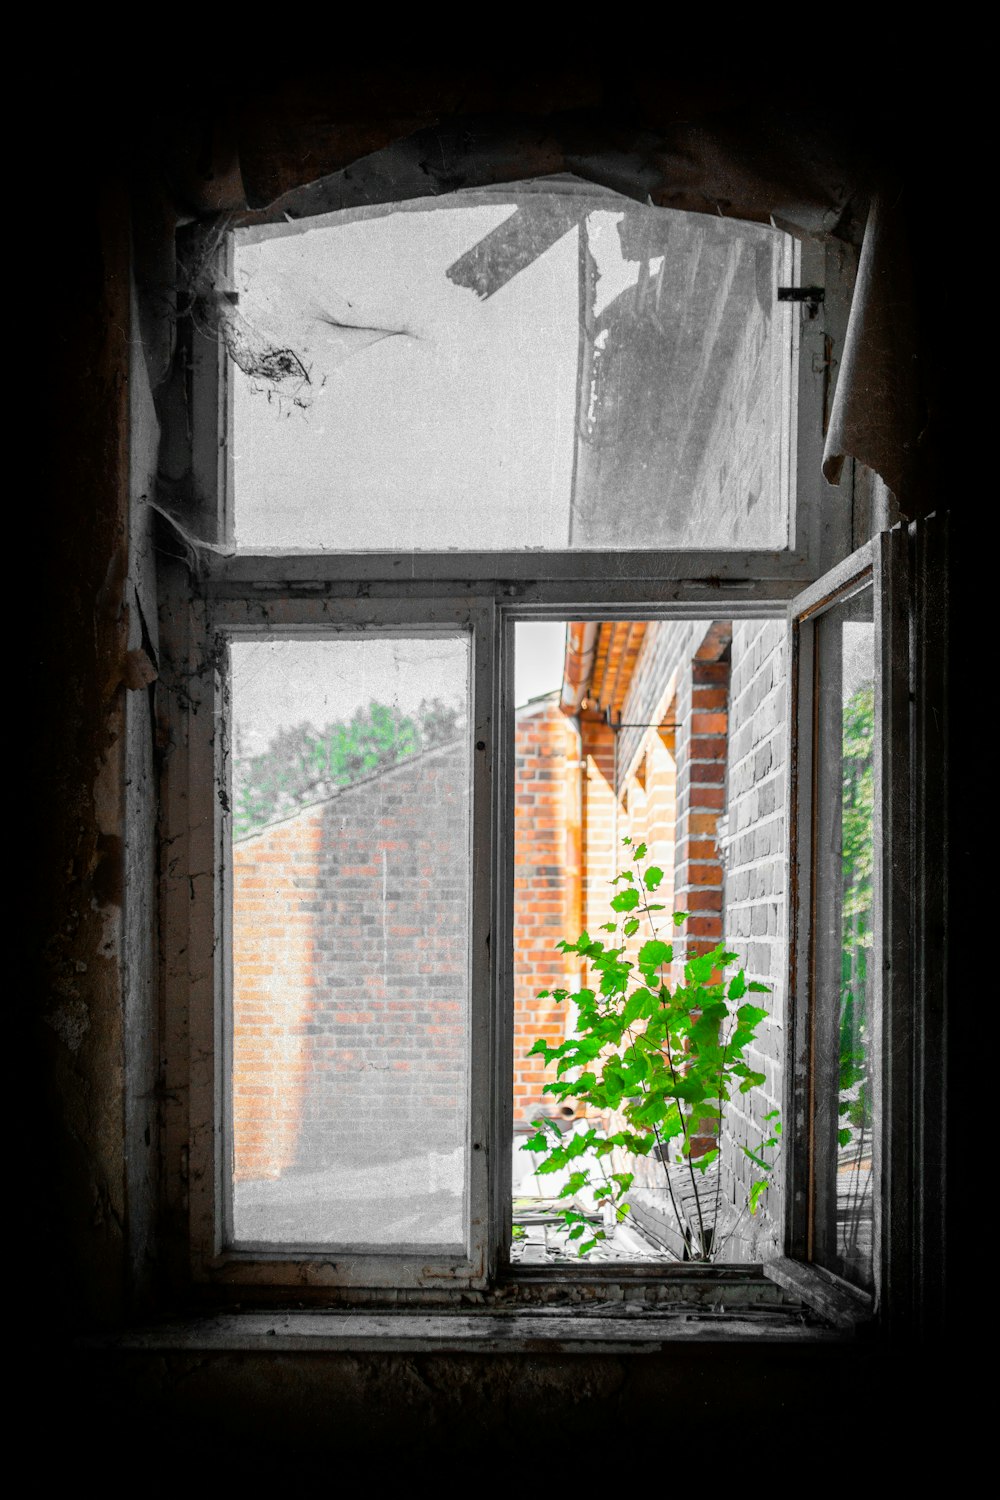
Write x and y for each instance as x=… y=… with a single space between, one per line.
x=812 y=296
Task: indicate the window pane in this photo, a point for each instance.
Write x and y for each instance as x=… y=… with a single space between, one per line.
x=846 y=1113
x=349 y=1021
x=654 y=747
x=557 y=370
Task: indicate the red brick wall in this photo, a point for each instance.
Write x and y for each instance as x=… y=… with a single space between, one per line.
x=701 y=745
x=274 y=876
x=350 y=974
x=546 y=883
x=601 y=856
x=649 y=813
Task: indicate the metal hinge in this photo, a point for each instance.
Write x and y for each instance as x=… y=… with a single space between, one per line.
x=812 y=296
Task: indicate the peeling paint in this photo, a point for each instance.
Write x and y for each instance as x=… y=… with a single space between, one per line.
x=71 y=1022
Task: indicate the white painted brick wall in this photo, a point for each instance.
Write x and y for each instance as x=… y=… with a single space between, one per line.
x=756 y=902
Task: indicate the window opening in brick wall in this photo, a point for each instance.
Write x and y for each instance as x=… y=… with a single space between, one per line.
x=665 y=732
x=388 y=393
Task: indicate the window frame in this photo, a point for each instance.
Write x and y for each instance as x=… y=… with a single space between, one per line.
x=216 y=590
x=881 y=565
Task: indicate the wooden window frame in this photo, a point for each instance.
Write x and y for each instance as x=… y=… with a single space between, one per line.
x=212 y=594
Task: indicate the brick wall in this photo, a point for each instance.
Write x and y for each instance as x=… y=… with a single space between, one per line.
x=742 y=465
x=275 y=883
x=756 y=921
x=701 y=736
x=601 y=856
x=350 y=974
x=672 y=764
x=547 y=818
x=718 y=693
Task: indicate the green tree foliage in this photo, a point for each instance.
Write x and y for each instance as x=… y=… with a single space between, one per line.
x=303 y=765
x=855 y=1123
x=858 y=855
x=658 y=1061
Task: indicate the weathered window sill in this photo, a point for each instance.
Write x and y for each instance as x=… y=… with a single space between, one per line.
x=600 y=1328
x=481 y=1333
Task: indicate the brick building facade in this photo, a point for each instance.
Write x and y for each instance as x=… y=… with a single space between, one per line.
x=350 y=974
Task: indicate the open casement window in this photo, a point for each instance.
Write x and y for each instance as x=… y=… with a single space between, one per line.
x=413 y=428
x=848 y=1082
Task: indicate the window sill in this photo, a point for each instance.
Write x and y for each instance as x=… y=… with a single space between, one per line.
x=599 y=1328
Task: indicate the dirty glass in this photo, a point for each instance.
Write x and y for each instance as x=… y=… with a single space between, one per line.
x=348 y=1023
x=845 y=1037
x=550 y=370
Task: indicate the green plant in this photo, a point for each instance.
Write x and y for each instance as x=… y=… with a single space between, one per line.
x=658 y=1062
x=855 y=1130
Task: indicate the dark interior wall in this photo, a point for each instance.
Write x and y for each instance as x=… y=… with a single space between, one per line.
x=81 y=642
x=92 y=991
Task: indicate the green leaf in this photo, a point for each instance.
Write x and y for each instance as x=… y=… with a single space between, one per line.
x=573 y=1184
x=680 y=916
x=639 y=852
x=756 y=1191
x=625 y=900
x=751 y=1015
x=654 y=953
x=652 y=877
x=630 y=927
x=698 y=970
x=844 y=1137
x=547 y=1053
x=751 y=1081
x=641 y=1002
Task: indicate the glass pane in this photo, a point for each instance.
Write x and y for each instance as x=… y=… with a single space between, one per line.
x=558 y=370
x=846 y=1113
x=653 y=748
x=350 y=991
